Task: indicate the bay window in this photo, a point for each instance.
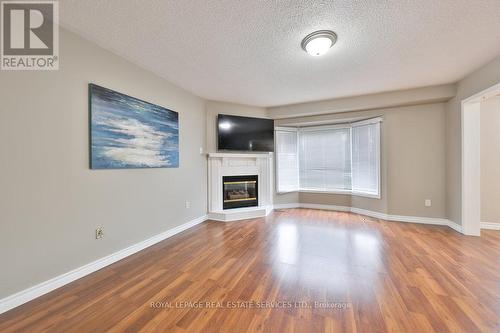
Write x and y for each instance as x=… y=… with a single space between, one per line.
x=337 y=158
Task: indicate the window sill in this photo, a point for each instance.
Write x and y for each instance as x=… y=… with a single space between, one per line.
x=366 y=195
x=305 y=190
x=340 y=192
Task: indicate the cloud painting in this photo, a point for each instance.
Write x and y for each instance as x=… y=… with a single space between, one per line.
x=126 y=132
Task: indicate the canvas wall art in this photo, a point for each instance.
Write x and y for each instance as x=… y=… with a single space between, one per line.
x=126 y=132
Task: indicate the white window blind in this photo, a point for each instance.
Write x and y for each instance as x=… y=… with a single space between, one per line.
x=287 y=160
x=337 y=158
x=366 y=158
x=325 y=159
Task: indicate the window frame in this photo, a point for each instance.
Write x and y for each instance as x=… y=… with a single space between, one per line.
x=349 y=125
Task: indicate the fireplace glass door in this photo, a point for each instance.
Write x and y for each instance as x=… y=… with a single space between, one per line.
x=240 y=191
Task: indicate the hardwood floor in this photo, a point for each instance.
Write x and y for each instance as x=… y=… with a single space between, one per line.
x=322 y=271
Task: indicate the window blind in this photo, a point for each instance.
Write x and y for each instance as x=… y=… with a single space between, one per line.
x=325 y=159
x=337 y=158
x=287 y=160
x=366 y=158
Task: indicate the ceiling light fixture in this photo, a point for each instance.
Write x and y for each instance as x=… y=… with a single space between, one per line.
x=319 y=42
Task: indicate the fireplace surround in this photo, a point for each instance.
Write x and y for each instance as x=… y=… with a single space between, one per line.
x=248 y=192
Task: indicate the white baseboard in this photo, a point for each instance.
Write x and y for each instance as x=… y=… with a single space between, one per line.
x=455 y=226
x=490 y=225
x=40 y=289
x=377 y=215
x=370 y=213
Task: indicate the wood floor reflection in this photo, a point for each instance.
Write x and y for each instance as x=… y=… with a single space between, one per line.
x=297 y=270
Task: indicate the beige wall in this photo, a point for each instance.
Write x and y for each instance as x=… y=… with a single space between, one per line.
x=390 y=99
x=50 y=202
x=481 y=79
x=285 y=198
x=325 y=199
x=490 y=160
x=413 y=161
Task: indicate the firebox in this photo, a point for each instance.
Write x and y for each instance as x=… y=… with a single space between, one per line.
x=240 y=191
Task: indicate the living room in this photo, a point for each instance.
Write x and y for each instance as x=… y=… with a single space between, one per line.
x=243 y=166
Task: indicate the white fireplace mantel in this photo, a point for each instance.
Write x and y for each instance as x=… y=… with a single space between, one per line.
x=239 y=164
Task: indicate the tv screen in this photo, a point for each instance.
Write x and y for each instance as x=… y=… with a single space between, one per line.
x=244 y=133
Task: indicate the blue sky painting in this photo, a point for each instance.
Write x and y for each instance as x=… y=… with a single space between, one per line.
x=129 y=133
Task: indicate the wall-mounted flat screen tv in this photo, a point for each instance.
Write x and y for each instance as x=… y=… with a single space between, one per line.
x=244 y=133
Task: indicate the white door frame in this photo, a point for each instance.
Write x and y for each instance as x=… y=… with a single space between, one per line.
x=471 y=160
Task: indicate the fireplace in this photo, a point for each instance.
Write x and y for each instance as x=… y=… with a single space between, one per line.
x=232 y=167
x=240 y=191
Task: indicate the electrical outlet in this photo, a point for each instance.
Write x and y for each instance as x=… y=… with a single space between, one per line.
x=428 y=202
x=188 y=204
x=201 y=150
x=99 y=233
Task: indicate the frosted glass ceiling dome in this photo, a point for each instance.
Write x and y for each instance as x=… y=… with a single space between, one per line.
x=319 y=42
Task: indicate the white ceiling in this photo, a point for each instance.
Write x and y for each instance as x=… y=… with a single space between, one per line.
x=248 y=51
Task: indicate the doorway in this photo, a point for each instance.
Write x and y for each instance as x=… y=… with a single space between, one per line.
x=471 y=157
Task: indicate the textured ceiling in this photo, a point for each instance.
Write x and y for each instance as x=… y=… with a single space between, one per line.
x=249 y=51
